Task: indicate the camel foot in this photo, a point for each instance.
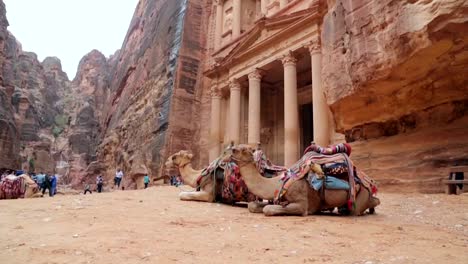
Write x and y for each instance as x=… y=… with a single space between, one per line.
x=290 y=209
x=256 y=207
x=374 y=202
x=195 y=196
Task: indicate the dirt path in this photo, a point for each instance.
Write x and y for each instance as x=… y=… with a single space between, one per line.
x=153 y=226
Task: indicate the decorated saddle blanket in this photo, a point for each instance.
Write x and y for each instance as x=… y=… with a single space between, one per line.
x=233 y=187
x=330 y=182
x=299 y=170
x=12 y=187
x=263 y=164
x=330 y=150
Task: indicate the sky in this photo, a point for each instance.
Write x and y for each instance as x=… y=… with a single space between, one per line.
x=69 y=29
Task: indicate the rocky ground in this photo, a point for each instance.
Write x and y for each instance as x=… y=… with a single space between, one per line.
x=153 y=226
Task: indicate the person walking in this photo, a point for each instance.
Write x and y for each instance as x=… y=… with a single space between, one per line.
x=146 y=180
x=46 y=185
x=99 y=183
x=87 y=189
x=118 y=178
x=53 y=185
x=40 y=179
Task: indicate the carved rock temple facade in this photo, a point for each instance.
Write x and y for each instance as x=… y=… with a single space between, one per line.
x=389 y=77
x=385 y=76
x=266 y=77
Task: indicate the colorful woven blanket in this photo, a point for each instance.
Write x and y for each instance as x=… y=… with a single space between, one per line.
x=299 y=170
x=234 y=188
x=12 y=188
x=263 y=163
x=330 y=150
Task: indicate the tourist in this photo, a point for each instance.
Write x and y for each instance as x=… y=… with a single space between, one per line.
x=40 y=179
x=146 y=180
x=53 y=185
x=178 y=181
x=118 y=178
x=87 y=189
x=99 y=183
x=46 y=185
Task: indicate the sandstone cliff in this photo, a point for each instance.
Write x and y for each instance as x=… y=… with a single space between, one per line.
x=132 y=109
x=396 y=81
x=155 y=89
x=49 y=123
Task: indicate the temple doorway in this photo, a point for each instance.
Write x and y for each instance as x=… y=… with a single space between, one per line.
x=307 y=125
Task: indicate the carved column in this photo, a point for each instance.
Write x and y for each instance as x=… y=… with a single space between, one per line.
x=219 y=23
x=234 y=111
x=254 y=107
x=236 y=18
x=291 y=114
x=263 y=7
x=215 y=131
x=319 y=103
x=283 y=3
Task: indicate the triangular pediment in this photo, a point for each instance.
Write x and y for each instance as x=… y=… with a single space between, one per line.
x=263 y=31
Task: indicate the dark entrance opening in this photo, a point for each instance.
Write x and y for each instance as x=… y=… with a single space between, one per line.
x=307 y=126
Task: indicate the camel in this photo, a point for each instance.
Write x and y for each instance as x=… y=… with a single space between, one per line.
x=183 y=161
x=302 y=199
x=31 y=190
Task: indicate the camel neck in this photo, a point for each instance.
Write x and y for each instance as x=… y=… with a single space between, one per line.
x=258 y=185
x=189 y=175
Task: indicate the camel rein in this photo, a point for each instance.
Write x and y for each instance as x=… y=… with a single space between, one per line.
x=241 y=163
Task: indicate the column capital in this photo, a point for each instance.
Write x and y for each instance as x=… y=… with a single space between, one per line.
x=256 y=75
x=215 y=92
x=289 y=59
x=234 y=85
x=315 y=46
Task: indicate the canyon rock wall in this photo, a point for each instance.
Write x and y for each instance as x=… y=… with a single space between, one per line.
x=9 y=137
x=395 y=75
x=155 y=88
x=48 y=123
x=129 y=111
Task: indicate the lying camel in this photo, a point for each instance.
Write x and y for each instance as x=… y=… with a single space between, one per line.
x=31 y=190
x=183 y=161
x=301 y=198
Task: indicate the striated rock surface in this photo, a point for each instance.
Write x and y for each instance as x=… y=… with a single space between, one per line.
x=9 y=136
x=155 y=88
x=395 y=74
x=48 y=123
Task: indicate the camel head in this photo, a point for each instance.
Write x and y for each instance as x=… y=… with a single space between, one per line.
x=239 y=154
x=179 y=159
x=27 y=179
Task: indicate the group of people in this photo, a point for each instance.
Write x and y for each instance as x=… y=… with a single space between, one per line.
x=175 y=181
x=46 y=182
x=119 y=176
x=99 y=184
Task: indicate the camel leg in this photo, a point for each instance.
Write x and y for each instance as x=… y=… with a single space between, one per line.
x=256 y=207
x=362 y=202
x=290 y=209
x=196 y=196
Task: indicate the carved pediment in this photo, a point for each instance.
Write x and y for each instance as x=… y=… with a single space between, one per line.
x=264 y=30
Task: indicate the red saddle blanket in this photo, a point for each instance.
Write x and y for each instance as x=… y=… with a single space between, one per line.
x=12 y=189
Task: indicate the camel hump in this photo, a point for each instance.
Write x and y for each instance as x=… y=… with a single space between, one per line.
x=11 y=177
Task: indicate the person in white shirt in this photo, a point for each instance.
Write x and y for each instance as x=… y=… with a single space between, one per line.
x=118 y=178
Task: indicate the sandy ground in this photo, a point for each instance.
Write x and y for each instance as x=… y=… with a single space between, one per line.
x=153 y=226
